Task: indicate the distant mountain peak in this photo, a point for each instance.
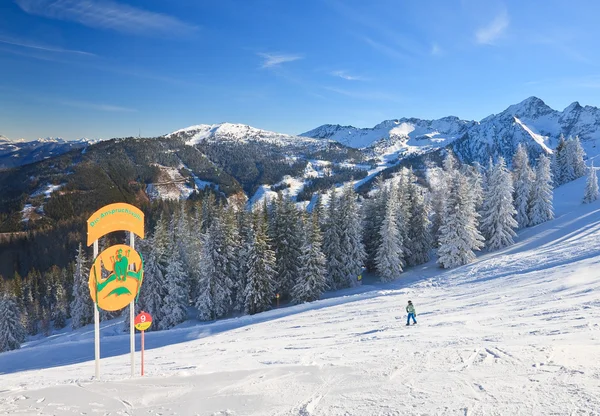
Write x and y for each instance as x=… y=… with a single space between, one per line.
x=532 y=107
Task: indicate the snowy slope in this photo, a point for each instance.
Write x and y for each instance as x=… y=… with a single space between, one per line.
x=516 y=332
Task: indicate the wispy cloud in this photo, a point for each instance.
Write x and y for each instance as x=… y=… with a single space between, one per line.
x=436 y=50
x=96 y=106
x=365 y=95
x=276 y=59
x=46 y=48
x=345 y=75
x=108 y=14
x=488 y=34
x=386 y=50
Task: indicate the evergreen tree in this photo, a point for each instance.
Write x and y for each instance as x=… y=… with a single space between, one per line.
x=373 y=212
x=82 y=307
x=153 y=290
x=497 y=218
x=61 y=303
x=176 y=300
x=215 y=284
x=352 y=250
x=459 y=235
x=247 y=238
x=332 y=242
x=541 y=201
x=419 y=240
x=564 y=170
x=523 y=177
x=390 y=254
x=591 y=187
x=575 y=158
x=12 y=333
x=312 y=280
x=287 y=243
x=260 y=286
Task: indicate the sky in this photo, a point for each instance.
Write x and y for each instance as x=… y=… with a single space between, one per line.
x=115 y=68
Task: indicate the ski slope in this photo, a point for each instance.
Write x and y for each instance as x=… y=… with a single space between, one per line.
x=515 y=333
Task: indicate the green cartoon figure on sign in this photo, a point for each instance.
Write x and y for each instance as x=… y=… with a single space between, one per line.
x=121 y=264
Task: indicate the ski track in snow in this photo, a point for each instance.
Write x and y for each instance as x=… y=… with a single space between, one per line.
x=516 y=332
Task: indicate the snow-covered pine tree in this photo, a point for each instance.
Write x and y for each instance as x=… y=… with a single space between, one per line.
x=331 y=242
x=215 y=284
x=352 y=250
x=373 y=213
x=541 y=200
x=82 y=307
x=575 y=157
x=287 y=242
x=567 y=159
x=563 y=173
x=498 y=213
x=390 y=255
x=176 y=300
x=523 y=177
x=153 y=289
x=459 y=236
x=591 y=186
x=60 y=302
x=246 y=238
x=312 y=280
x=403 y=216
x=12 y=333
x=260 y=285
x=440 y=182
x=419 y=240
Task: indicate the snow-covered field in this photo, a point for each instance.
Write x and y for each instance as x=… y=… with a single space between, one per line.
x=515 y=333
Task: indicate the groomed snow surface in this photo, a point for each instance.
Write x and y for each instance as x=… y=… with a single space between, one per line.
x=515 y=333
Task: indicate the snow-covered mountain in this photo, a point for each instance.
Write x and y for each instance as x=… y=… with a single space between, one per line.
x=390 y=136
x=239 y=133
x=531 y=122
x=20 y=152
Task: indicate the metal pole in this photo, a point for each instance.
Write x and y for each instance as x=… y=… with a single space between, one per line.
x=96 y=325
x=132 y=316
x=143 y=352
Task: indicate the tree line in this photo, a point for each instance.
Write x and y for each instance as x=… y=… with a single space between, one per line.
x=212 y=258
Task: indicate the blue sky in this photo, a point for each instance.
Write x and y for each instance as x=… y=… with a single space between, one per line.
x=106 y=68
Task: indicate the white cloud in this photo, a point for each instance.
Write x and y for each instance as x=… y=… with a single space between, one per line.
x=436 y=50
x=96 y=106
x=25 y=44
x=347 y=77
x=108 y=14
x=365 y=95
x=387 y=50
x=276 y=59
x=488 y=34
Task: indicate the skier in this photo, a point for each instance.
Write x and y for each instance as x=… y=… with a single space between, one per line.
x=411 y=313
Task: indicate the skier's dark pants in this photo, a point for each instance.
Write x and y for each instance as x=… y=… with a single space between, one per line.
x=411 y=315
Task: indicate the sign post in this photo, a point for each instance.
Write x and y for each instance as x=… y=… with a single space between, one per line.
x=277 y=297
x=124 y=265
x=143 y=322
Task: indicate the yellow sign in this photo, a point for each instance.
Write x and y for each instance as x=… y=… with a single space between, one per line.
x=115 y=217
x=125 y=274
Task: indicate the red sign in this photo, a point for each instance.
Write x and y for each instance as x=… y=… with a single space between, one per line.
x=143 y=321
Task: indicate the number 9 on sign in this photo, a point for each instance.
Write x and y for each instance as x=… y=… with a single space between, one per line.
x=143 y=321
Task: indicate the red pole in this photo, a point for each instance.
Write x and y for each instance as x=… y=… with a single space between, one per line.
x=143 y=352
